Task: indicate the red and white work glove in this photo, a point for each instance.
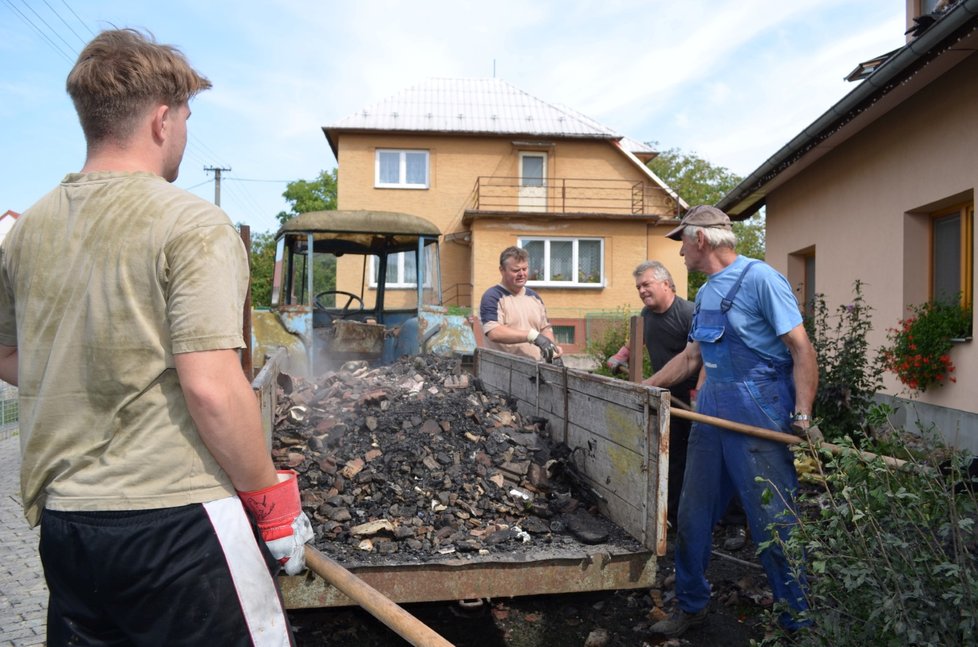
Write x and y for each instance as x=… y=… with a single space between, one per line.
x=284 y=527
x=619 y=361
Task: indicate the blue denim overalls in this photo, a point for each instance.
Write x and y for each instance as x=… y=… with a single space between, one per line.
x=743 y=386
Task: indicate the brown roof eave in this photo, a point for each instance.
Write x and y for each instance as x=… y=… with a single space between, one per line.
x=332 y=141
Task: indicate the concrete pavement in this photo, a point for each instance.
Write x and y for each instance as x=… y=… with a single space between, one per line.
x=23 y=594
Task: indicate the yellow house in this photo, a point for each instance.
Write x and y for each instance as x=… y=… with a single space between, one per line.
x=492 y=166
x=881 y=188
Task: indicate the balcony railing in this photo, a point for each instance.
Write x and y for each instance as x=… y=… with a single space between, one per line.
x=571 y=195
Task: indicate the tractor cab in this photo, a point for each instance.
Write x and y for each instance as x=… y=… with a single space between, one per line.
x=357 y=285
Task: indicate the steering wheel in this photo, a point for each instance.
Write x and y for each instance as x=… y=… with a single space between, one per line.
x=351 y=298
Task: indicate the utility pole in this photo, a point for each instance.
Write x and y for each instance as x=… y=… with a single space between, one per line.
x=217 y=181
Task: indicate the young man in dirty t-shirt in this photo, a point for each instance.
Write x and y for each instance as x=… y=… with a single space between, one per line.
x=121 y=300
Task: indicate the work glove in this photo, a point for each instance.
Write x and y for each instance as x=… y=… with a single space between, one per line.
x=547 y=347
x=619 y=361
x=284 y=527
x=812 y=433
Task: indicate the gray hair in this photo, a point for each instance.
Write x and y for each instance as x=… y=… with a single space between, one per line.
x=714 y=236
x=516 y=253
x=659 y=272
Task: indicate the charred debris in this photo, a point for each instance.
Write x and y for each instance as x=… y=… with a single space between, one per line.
x=415 y=461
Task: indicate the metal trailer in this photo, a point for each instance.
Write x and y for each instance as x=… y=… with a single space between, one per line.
x=618 y=433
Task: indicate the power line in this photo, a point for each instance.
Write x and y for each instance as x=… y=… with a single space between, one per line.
x=192 y=151
x=190 y=188
x=54 y=11
x=210 y=153
x=82 y=22
x=50 y=42
x=248 y=179
x=41 y=18
x=197 y=149
x=242 y=194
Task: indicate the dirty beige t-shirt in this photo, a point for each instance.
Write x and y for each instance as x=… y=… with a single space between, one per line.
x=101 y=282
x=523 y=310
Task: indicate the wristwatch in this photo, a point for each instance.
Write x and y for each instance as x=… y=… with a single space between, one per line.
x=799 y=417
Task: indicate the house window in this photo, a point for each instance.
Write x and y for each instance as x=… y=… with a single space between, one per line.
x=801 y=274
x=565 y=262
x=402 y=270
x=563 y=334
x=952 y=255
x=401 y=169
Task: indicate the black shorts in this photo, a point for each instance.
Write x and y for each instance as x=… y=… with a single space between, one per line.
x=192 y=575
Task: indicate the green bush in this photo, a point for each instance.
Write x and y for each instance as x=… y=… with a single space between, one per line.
x=607 y=342
x=891 y=554
x=847 y=377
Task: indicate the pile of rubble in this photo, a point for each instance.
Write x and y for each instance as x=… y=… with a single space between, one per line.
x=416 y=459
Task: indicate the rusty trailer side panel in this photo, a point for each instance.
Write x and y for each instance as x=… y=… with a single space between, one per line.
x=538 y=573
x=615 y=430
x=265 y=386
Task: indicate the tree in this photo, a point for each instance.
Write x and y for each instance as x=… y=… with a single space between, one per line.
x=306 y=195
x=262 y=266
x=700 y=182
x=692 y=177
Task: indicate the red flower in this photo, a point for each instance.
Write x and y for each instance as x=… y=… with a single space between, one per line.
x=919 y=346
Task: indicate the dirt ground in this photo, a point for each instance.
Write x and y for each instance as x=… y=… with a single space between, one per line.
x=600 y=619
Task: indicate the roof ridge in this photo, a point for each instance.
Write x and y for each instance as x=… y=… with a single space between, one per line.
x=475 y=105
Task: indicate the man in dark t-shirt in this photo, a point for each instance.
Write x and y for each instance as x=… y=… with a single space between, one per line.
x=667 y=318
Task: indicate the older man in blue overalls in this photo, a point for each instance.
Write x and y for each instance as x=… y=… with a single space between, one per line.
x=760 y=370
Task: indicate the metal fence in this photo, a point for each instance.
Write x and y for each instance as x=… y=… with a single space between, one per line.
x=572 y=195
x=9 y=410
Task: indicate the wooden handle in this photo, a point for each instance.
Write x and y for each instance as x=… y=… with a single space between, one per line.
x=769 y=434
x=373 y=601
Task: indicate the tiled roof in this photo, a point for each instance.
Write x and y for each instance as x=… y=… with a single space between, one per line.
x=474 y=106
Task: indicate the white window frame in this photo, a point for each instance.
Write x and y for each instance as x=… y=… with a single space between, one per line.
x=402 y=182
x=575 y=283
x=400 y=283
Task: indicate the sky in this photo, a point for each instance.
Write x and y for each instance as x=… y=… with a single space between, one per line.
x=731 y=81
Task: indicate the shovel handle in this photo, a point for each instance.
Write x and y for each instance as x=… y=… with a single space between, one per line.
x=750 y=430
x=373 y=601
x=769 y=434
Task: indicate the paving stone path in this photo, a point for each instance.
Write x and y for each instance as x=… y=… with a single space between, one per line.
x=23 y=594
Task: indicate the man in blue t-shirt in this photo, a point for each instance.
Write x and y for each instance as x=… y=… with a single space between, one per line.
x=760 y=370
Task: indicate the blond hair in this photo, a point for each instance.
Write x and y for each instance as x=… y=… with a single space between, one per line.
x=120 y=74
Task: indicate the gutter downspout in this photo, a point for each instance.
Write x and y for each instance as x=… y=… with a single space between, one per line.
x=908 y=55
